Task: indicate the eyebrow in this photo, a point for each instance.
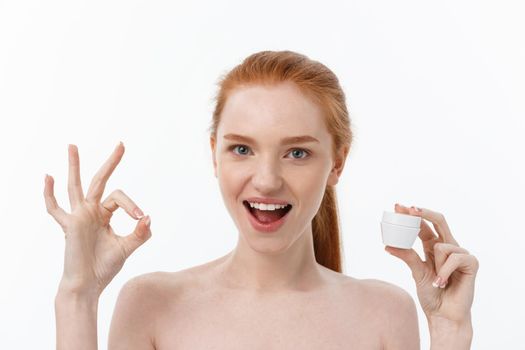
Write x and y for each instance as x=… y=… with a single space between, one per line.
x=285 y=141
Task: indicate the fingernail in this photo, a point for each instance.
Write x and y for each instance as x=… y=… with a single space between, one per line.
x=442 y=285
x=437 y=282
x=148 y=221
x=138 y=213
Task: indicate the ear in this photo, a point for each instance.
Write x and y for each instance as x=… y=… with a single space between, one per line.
x=213 y=146
x=339 y=163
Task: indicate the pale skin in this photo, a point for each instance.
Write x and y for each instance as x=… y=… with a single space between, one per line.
x=269 y=292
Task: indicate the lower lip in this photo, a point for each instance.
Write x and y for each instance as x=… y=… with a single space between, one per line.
x=270 y=227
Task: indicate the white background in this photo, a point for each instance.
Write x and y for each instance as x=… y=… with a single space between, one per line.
x=435 y=92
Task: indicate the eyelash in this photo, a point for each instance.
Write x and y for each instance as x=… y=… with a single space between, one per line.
x=308 y=153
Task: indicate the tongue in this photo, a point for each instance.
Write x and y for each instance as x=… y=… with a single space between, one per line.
x=268 y=216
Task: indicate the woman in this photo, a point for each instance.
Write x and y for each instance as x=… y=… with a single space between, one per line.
x=280 y=136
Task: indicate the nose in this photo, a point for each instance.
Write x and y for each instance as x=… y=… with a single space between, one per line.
x=267 y=176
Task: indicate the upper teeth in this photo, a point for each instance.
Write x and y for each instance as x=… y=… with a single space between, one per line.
x=263 y=206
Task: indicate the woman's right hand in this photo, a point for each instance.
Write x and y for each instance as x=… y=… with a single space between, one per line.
x=94 y=254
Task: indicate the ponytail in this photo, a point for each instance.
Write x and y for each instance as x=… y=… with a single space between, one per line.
x=325 y=230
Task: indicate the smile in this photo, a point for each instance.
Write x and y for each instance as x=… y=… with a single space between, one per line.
x=266 y=220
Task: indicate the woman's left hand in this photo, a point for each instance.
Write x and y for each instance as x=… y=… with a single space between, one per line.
x=445 y=280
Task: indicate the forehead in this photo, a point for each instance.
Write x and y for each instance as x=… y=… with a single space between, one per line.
x=273 y=111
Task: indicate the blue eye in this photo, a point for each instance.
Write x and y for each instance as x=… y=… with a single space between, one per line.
x=300 y=150
x=294 y=151
x=233 y=147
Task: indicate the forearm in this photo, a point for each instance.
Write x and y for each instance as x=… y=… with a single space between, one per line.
x=76 y=321
x=448 y=335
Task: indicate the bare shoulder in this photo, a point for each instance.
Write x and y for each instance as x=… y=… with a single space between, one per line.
x=145 y=282
x=400 y=328
x=154 y=288
x=394 y=301
x=147 y=289
x=140 y=303
x=386 y=293
x=374 y=294
x=153 y=281
x=165 y=286
x=388 y=308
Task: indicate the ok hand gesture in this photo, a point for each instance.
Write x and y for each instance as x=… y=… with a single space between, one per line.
x=94 y=254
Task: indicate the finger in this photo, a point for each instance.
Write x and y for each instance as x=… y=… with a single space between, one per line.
x=51 y=203
x=96 y=188
x=76 y=195
x=438 y=221
x=443 y=250
x=467 y=264
x=118 y=199
x=412 y=259
x=427 y=236
x=140 y=235
x=428 y=240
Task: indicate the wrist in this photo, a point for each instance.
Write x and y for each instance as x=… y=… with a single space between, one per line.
x=70 y=290
x=66 y=297
x=76 y=319
x=65 y=300
x=450 y=334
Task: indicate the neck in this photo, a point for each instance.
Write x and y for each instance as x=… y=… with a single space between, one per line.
x=294 y=268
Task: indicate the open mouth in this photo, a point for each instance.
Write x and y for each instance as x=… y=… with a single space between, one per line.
x=267 y=216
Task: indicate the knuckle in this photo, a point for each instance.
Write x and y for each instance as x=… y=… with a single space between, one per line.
x=475 y=262
x=451 y=258
x=105 y=209
x=118 y=192
x=456 y=257
x=441 y=218
x=439 y=247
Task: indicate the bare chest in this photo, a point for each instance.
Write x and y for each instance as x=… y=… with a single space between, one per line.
x=294 y=321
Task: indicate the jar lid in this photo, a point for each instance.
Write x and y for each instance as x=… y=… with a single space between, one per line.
x=401 y=219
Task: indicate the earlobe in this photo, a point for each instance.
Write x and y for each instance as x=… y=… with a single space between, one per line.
x=333 y=180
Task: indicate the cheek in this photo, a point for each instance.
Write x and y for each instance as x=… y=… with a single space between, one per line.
x=231 y=171
x=311 y=189
x=231 y=179
x=314 y=186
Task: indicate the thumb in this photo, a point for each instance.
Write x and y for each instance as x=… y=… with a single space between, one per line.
x=411 y=258
x=140 y=235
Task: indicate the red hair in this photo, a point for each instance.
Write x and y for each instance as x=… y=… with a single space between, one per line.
x=320 y=84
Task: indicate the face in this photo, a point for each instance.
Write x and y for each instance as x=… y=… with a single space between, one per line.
x=264 y=166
